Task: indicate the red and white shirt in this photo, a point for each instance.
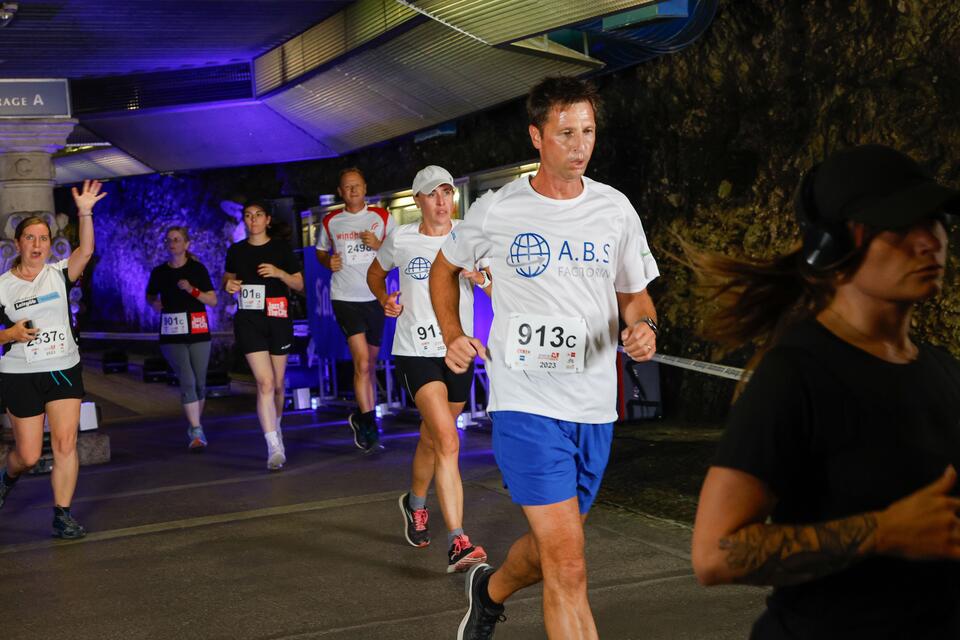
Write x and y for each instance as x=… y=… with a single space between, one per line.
x=340 y=234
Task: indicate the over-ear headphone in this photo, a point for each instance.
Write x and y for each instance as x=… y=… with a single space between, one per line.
x=825 y=243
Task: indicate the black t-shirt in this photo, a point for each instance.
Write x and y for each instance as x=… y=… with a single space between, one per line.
x=243 y=259
x=834 y=431
x=183 y=318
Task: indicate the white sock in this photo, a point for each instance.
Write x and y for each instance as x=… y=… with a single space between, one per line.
x=273 y=440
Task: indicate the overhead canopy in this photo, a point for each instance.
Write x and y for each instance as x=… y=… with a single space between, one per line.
x=184 y=85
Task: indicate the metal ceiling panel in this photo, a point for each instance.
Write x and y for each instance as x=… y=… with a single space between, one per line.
x=427 y=75
x=496 y=22
x=84 y=38
x=353 y=27
x=217 y=135
x=98 y=164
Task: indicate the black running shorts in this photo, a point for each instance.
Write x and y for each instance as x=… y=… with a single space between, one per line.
x=257 y=332
x=27 y=394
x=416 y=371
x=360 y=317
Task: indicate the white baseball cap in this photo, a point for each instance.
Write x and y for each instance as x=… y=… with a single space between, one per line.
x=429 y=178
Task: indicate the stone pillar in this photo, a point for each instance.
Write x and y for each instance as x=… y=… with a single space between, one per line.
x=26 y=168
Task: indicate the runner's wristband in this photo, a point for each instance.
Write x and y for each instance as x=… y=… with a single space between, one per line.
x=195 y=292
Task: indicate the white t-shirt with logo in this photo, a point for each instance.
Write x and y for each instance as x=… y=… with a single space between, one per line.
x=44 y=302
x=340 y=234
x=418 y=333
x=557 y=266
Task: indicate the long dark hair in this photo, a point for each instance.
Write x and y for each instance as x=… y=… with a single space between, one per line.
x=26 y=222
x=755 y=301
x=186 y=239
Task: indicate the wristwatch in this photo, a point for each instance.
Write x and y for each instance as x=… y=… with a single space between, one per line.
x=486 y=280
x=647 y=320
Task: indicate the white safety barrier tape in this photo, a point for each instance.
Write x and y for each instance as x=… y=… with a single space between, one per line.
x=720 y=370
x=108 y=335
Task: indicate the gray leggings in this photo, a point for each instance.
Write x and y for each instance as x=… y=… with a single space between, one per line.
x=189 y=363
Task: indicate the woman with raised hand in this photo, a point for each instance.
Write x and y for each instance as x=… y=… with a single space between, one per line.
x=180 y=291
x=41 y=371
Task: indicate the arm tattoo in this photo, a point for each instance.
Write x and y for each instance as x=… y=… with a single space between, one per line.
x=775 y=554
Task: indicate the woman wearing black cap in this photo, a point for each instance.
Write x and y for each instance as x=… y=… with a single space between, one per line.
x=835 y=479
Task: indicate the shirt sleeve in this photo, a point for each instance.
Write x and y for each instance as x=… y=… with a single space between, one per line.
x=230 y=264
x=291 y=261
x=390 y=227
x=636 y=267
x=387 y=254
x=323 y=238
x=767 y=431
x=203 y=279
x=467 y=244
x=153 y=286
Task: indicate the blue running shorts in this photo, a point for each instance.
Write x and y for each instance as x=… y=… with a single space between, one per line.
x=545 y=461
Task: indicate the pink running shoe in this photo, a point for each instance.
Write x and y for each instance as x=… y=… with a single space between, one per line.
x=463 y=554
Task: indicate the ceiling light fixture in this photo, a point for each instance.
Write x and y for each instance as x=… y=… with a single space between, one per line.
x=7 y=11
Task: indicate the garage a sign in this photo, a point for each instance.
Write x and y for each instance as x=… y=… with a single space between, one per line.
x=43 y=98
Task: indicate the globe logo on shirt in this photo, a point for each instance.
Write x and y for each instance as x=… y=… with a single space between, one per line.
x=529 y=255
x=418 y=268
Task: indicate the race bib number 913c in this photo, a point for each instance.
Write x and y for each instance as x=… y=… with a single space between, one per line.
x=546 y=343
x=49 y=343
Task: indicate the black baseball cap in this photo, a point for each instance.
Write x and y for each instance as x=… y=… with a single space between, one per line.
x=881 y=187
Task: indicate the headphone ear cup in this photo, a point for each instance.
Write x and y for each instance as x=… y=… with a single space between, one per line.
x=824 y=244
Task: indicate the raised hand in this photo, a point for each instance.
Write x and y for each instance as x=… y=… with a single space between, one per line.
x=89 y=196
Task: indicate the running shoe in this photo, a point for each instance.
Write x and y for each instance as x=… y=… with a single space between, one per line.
x=464 y=555
x=414 y=523
x=359 y=433
x=64 y=526
x=198 y=441
x=479 y=621
x=275 y=458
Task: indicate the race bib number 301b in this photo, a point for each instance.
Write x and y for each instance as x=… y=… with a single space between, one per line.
x=355 y=252
x=50 y=342
x=252 y=296
x=428 y=340
x=546 y=343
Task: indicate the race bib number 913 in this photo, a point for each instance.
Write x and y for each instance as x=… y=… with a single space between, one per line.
x=545 y=343
x=428 y=340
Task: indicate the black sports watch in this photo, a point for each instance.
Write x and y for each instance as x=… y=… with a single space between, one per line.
x=647 y=320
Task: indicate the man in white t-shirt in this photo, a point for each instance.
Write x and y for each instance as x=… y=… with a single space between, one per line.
x=418 y=352
x=567 y=254
x=347 y=242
